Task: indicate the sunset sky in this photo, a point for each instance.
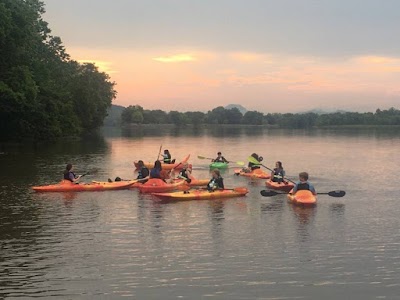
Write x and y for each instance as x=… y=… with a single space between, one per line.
x=267 y=55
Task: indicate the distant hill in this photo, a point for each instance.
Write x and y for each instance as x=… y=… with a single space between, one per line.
x=114 y=115
x=238 y=106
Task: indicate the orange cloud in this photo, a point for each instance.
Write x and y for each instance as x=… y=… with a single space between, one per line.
x=175 y=58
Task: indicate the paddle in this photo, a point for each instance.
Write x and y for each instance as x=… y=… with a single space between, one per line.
x=336 y=194
x=256 y=162
x=240 y=163
x=159 y=152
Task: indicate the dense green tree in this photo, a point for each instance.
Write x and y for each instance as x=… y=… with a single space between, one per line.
x=253 y=118
x=43 y=93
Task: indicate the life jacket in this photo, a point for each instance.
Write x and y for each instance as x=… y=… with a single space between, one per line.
x=143 y=173
x=303 y=186
x=155 y=173
x=254 y=166
x=220 y=159
x=67 y=177
x=183 y=173
x=215 y=183
x=167 y=158
x=278 y=175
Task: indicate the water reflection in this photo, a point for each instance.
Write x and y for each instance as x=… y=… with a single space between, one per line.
x=304 y=217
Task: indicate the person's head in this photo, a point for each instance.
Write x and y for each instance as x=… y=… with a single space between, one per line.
x=157 y=165
x=219 y=154
x=140 y=163
x=68 y=167
x=166 y=151
x=303 y=176
x=278 y=164
x=255 y=155
x=215 y=173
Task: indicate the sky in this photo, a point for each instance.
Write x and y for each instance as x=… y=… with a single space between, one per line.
x=266 y=55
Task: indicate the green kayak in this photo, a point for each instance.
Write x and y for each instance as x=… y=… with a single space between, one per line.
x=218 y=165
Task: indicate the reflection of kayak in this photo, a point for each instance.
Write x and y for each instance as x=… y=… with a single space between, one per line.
x=155 y=185
x=303 y=197
x=283 y=186
x=218 y=165
x=67 y=186
x=257 y=173
x=177 y=166
x=203 y=194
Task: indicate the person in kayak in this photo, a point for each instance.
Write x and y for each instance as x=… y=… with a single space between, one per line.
x=216 y=182
x=252 y=166
x=166 y=157
x=303 y=184
x=70 y=175
x=220 y=158
x=278 y=174
x=156 y=171
x=143 y=172
x=185 y=173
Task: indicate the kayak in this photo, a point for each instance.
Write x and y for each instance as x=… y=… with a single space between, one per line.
x=155 y=185
x=68 y=186
x=257 y=173
x=279 y=186
x=203 y=194
x=218 y=165
x=164 y=166
x=194 y=182
x=303 y=197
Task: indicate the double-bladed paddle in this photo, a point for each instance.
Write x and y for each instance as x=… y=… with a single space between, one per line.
x=240 y=163
x=270 y=193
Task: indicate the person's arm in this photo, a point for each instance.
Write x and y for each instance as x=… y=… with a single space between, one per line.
x=225 y=160
x=312 y=189
x=221 y=183
x=294 y=190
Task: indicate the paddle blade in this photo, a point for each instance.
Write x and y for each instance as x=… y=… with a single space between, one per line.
x=240 y=163
x=269 y=193
x=337 y=194
x=253 y=160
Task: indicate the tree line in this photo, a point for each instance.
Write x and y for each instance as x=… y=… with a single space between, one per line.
x=44 y=94
x=135 y=114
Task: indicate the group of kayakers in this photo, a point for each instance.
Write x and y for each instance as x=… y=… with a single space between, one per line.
x=216 y=182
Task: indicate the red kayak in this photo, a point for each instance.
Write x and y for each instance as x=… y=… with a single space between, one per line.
x=257 y=174
x=303 y=197
x=176 y=166
x=155 y=185
x=285 y=186
x=68 y=186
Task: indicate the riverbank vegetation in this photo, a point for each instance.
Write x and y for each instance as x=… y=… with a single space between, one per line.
x=136 y=114
x=44 y=94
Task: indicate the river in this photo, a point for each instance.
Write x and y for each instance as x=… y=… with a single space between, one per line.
x=109 y=245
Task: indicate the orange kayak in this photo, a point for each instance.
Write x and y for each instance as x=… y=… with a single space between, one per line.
x=176 y=166
x=279 y=186
x=155 y=185
x=257 y=173
x=68 y=186
x=203 y=194
x=303 y=197
x=194 y=181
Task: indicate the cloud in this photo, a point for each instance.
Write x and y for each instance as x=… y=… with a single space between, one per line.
x=175 y=58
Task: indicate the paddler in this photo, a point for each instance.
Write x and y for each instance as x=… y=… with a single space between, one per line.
x=278 y=174
x=303 y=184
x=216 y=182
x=70 y=175
x=220 y=158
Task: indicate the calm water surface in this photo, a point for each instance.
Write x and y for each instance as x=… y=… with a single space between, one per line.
x=110 y=245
